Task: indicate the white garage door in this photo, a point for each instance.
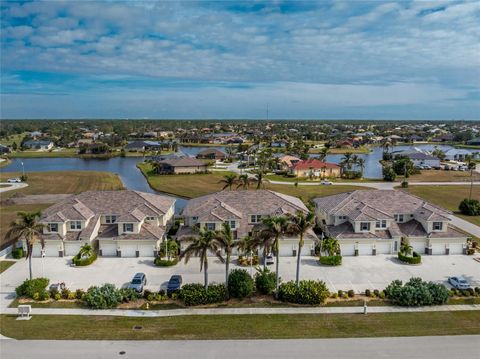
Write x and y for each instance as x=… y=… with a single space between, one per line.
x=364 y=249
x=347 y=249
x=128 y=250
x=383 y=248
x=438 y=248
x=51 y=249
x=146 y=250
x=456 y=248
x=108 y=249
x=418 y=246
x=286 y=249
x=72 y=248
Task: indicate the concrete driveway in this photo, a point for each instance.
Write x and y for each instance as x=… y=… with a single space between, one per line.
x=358 y=273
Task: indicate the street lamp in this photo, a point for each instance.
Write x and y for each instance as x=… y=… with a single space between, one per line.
x=43 y=266
x=23 y=170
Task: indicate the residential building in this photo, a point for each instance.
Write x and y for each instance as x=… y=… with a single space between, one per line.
x=142 y=146
x=243 y=210
x=420 y=159
x=4 y=149
x=459 y=154
x=44 y=145
x=316 y=169
x=474 y=142
x=369 y=222
x=181 y=165
x=212 y=154
x=118 y=223
x=288 y=161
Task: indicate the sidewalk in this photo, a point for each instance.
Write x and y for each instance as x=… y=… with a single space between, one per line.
x=243 y=311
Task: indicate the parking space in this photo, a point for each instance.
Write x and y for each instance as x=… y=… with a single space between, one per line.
x=358 y=273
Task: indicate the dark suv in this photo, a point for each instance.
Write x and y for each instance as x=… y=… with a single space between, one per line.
x=138 y=281
x=174 y=284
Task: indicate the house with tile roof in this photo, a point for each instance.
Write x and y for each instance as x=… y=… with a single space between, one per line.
x=181 y=165
x=118 y=223
x=369 y=222
x=313 y=168
x=243 y=210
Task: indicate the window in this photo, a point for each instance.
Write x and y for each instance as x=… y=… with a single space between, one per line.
x=210 y=226
x=342 y=217
x=128 y=227
x=398 y=217
x=364 y=226
x=255 y=218
x=110 y=219
x=437 y=226
x=75 y=225
x=53 y=227
x=232 y=224
x=150 y=218
x=194 y=219
x=381 y=224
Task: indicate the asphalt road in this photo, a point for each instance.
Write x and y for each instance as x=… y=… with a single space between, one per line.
x=446 y=347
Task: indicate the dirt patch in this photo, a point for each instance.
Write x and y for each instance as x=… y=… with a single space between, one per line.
x=35 y=199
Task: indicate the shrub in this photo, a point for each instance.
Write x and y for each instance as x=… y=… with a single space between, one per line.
x=465 y=293
x=172 y=249
x=79 y=293
x=146 y=293
x=351 y=293
x=416 y=292
x=381 y=295
x=65 y=293
x=477 y=290
x=470 y=251
x=71 y=296
x=165 y=262
x=330 y=260
x=334 y=295
x=376 y=292
x=53 y=292
x=240 y=284
x=57 y=296
x=470 y=207
x=340 y=293
x=307 y=292
x=45 y=295
x=414 y=259
x=265 y=281
x=81 y=262
x=471 y=291
x=162 y=292
x=17 y=253
x=31 y=286
x=196 y=294
x=128 y=295
x=367 y=292
x=36 y=296
x=106 y=296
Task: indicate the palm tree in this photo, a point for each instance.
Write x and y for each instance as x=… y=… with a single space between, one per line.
x=330 y=246
x=274 y=228
x=228 y=181
x=323 y=153
x=259 y=178
x=361 y=164
x=405 y=247
x=244 y=181
x=471 y=166
x=231 y=151
x=86 y=251
x=28 y=227
x=202 y=243
x=226 y=241
x=346 y=161
x=247 y=245
x=299 y=225
x=157 y=167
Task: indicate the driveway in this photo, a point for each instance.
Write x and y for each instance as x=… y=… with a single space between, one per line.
x=12 y=186
x=358 y=273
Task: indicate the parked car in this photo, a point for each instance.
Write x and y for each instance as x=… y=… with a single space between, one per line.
x=14 y=180
x=269 y=259
x=138 y=282
x=459 y=282
x=174 y=284
x=326 y=183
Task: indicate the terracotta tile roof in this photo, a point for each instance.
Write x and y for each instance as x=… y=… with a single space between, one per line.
x=313 y=163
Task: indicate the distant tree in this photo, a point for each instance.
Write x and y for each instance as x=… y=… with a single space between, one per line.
x=470 y=207
x=388 y=173
x=14 y=146
x=228 y=181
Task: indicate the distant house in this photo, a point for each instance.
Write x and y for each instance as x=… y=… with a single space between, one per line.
x=212 y=154
x=180 y=165
x=474 y=142
x=35 y=134
x=143 y=146
x=422 y=159
x=4 y=149
x=444 y=138
x=279 y=144
x=288 y=161
x=345 y=144
x=315 y=168
x=458 y=154
x=44 y=145
x=97 y=148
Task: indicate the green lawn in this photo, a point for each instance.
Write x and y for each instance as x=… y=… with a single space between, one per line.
x=4 y=265
x=14 y=138
x=68 y=152
x=448 y=197
x=242 y=326
x=190 y=186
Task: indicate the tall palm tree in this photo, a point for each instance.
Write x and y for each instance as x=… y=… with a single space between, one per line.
x=86 y=251
x=244 y=181
x=274 y=228
x=346 y=161
x=259 y=178
x=299 y=225
x=27 y=227
x=323 y=153
x=247 y=245
x=227 y=243
x=228 y=181
x=231 y=151
x=202 y=243
x=157 y=167
x=361 y=164
x=261 y=240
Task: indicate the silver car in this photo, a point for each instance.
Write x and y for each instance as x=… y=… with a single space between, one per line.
x=459 y=282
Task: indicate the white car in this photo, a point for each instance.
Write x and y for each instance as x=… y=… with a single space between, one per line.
x=326 y=183
x=269 y=259
x=14 y=180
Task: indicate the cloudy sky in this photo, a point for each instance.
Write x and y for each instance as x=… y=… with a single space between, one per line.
x=339 y=59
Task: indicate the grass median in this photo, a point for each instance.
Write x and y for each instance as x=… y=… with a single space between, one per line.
x=276 y=326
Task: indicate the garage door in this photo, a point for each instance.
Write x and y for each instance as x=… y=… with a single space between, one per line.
x=146 y=250
x=418 y=246
x=72 y=248
x=51 y=249
x=364 y=249
x=128 y=250
x=438 y=248
x=286 y=249
x=383 y=247
x=108 y=249
x=347 y=249
x=456 y=248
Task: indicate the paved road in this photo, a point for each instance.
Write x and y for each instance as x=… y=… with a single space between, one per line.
x=12 y=186
x=443 y=347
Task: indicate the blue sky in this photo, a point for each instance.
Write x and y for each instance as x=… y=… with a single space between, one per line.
x=312 y=60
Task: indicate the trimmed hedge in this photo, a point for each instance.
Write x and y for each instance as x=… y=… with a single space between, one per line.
x=81 y=262
x=17 y=253
x=240 y=284
x=416 y=292
x=31 y=288
x=330 y=260
x=415 y=259
x=165 y=262
x=196 y=294
x=307 y=292
x=265 y=281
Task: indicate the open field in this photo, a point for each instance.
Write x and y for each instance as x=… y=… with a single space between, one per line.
x=13 y=138
x=52 y=183
x=242 y=326
x=66 y=152
x=448 y=197
x=195 y=185
x=442 y=176
x=4 y=265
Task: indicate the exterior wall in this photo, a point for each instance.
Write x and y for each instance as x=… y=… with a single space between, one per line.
x=431 y=163
x=196 y=169
x=430 y=226
x=130 y=245
x=62 y=229
x=318 y=172
x=136 y=227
